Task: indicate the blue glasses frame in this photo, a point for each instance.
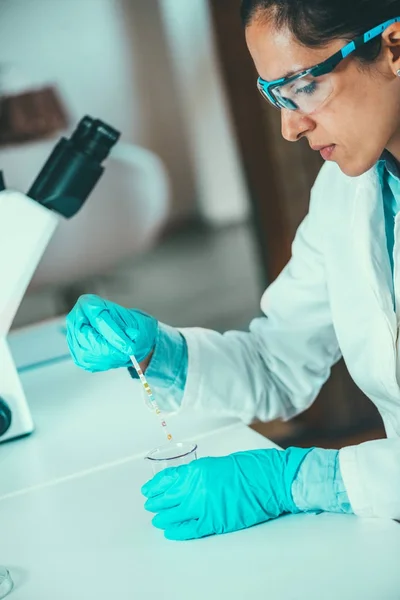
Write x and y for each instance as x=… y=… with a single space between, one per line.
x=267 y=87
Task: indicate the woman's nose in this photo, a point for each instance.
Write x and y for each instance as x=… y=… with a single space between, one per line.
x=295 y=125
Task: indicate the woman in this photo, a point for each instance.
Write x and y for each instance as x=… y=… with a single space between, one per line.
x=338 y=296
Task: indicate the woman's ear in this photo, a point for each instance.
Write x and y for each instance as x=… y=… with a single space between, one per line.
x=391 y=39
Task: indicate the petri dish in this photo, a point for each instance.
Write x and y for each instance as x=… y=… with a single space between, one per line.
x=173 y=454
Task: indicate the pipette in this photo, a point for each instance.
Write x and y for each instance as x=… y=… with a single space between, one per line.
x=150 y=395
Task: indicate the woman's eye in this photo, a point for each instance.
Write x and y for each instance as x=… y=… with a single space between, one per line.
x=307 y=89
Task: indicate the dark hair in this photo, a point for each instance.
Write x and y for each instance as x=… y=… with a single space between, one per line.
x=315 y=23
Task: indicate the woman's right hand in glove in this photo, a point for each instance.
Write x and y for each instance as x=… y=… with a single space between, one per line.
x=102 y=335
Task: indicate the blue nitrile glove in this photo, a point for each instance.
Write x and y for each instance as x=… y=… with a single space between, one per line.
x=102 y=335
x=219 y=495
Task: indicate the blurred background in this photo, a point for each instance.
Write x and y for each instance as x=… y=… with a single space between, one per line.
x=201 y=199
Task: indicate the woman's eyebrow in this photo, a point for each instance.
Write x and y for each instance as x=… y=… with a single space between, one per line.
x=298 y=70
x=289 y=74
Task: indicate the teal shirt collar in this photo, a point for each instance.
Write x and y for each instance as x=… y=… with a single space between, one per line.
x=392 y=165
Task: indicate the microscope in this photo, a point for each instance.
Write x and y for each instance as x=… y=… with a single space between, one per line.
x=27 y=223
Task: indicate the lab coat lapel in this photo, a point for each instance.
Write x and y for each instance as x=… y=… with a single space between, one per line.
x=369 y=241
x=376 y=358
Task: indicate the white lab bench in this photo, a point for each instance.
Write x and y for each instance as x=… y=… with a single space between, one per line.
x=72 y=523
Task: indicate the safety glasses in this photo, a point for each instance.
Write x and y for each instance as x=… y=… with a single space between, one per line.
x=309 y=89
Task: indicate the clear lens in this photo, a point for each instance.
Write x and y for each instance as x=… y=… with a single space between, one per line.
x=306 y=93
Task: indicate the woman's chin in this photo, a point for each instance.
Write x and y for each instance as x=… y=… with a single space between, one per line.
x=354 y=168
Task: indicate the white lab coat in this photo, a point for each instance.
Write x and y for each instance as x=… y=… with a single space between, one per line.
x=332 y=299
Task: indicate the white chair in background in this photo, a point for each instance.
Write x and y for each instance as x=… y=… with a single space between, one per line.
x=121 y=218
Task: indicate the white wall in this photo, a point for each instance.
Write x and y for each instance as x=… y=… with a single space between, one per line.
x=78 y=44
x=101 y=54
x=147 y=67
x=162 y=127
x=222 y=193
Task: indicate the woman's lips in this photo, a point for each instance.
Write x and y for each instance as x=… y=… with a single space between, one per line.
x=325 y=151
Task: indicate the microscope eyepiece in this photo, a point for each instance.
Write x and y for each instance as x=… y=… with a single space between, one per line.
x=74 y=167
x=95 y=138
